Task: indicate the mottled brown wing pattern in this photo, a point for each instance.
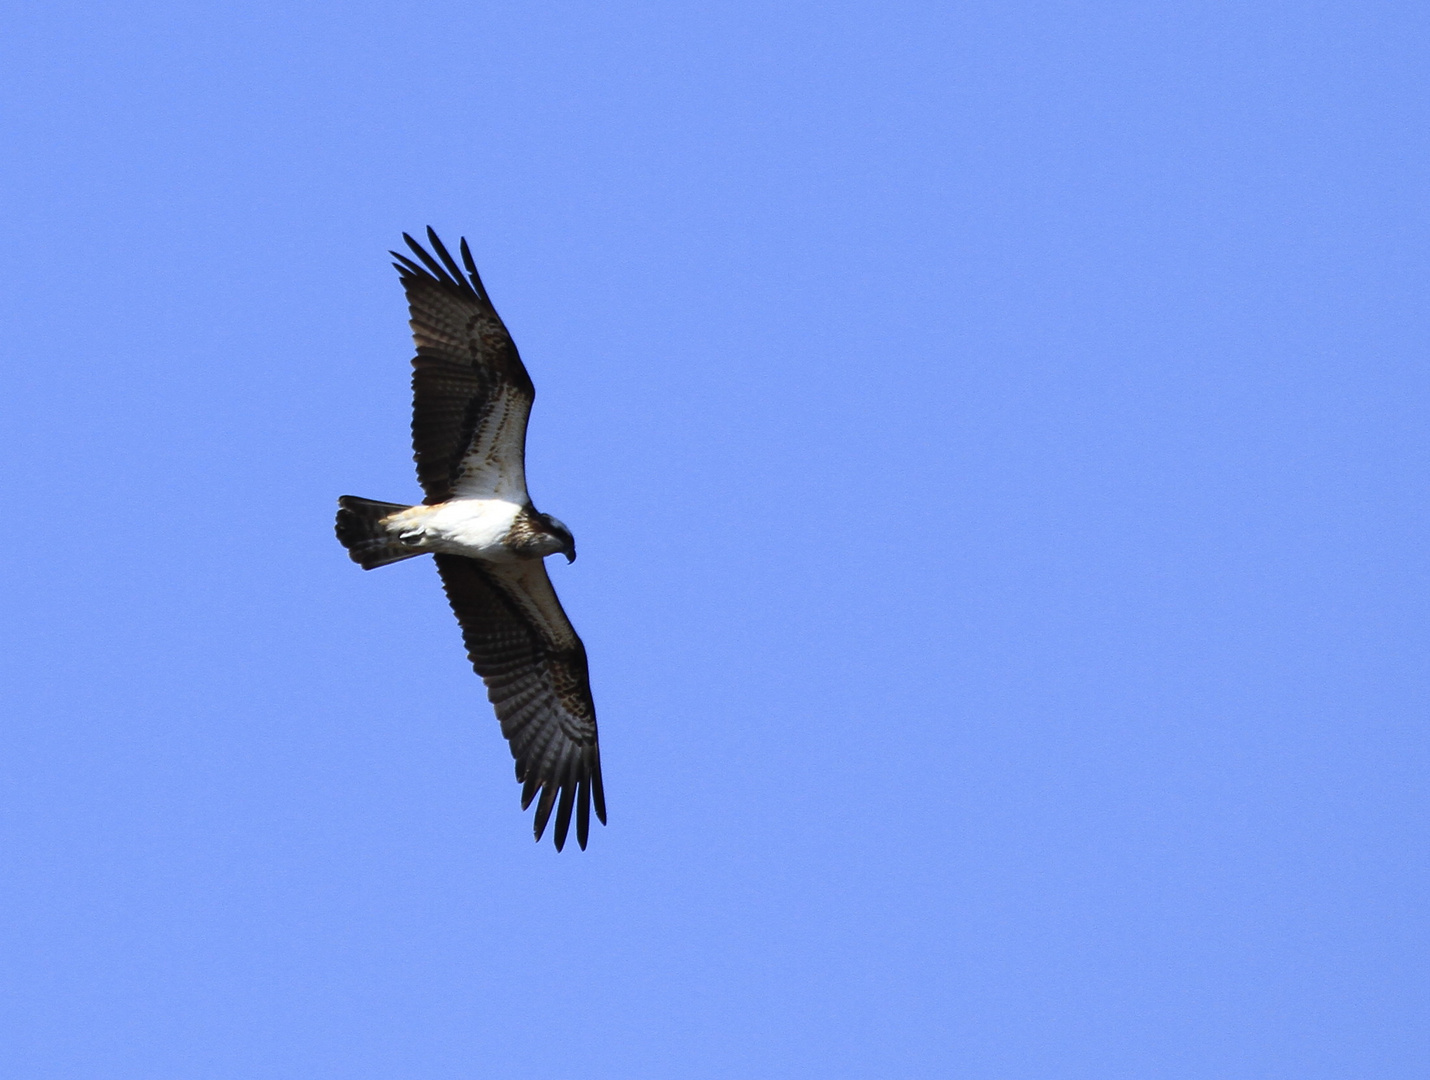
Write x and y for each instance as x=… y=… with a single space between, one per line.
x=469 y=387
x=524 y=648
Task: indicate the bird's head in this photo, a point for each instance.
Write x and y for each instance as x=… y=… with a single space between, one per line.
x=555 y=529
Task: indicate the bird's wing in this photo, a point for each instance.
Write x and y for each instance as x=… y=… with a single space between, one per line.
x=470 y=393
x=522 y=645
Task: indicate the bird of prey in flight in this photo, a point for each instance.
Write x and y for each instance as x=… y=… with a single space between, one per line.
x=471 y=397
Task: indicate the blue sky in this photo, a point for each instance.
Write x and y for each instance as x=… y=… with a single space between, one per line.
x=995 y=435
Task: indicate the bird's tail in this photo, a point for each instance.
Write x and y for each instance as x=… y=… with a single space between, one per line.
x=361 y=531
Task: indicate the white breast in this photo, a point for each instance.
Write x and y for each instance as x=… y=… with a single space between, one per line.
x=471 y=527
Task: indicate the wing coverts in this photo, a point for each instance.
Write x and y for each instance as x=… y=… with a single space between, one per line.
x=471 y=394
x=471 y=398
x=536 y=678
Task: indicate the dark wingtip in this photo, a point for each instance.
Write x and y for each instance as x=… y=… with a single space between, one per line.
x=598 y=791
x=528 y=792
x=447 y=261
x=471 y=265
x=543 y=809
x=563 y=812
x=435 y=268
x=441 y=249
x=443 y=269
x=583 y=812
x=405 y=266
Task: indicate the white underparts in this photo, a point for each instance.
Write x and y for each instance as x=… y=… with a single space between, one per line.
x=476 y=528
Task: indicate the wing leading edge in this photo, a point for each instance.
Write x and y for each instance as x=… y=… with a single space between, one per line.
x=471 y=400
x=471 y=394
x=524 y=648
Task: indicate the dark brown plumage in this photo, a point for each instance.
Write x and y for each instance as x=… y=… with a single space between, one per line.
x=466 y=362
x=471 y=400
x=536 y=680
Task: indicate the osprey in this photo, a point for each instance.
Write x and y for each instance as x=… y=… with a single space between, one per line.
x=470 y=400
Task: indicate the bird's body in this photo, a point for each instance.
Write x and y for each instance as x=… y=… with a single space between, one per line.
x=471 y=400
x=485 y=529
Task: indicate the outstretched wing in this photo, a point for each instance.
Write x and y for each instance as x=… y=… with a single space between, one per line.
x=470 y=393
x=534 y=665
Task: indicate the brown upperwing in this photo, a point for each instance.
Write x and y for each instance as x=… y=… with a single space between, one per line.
x=524 y=648
x=467 y=376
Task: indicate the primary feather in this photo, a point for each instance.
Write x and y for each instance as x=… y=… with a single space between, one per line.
x=471 y=398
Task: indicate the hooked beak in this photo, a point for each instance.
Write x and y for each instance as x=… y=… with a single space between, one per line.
x=570 y=552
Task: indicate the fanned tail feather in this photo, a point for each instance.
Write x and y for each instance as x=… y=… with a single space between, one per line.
x=361 y=531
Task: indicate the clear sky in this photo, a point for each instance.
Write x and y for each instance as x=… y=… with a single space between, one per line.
x=996 y=438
